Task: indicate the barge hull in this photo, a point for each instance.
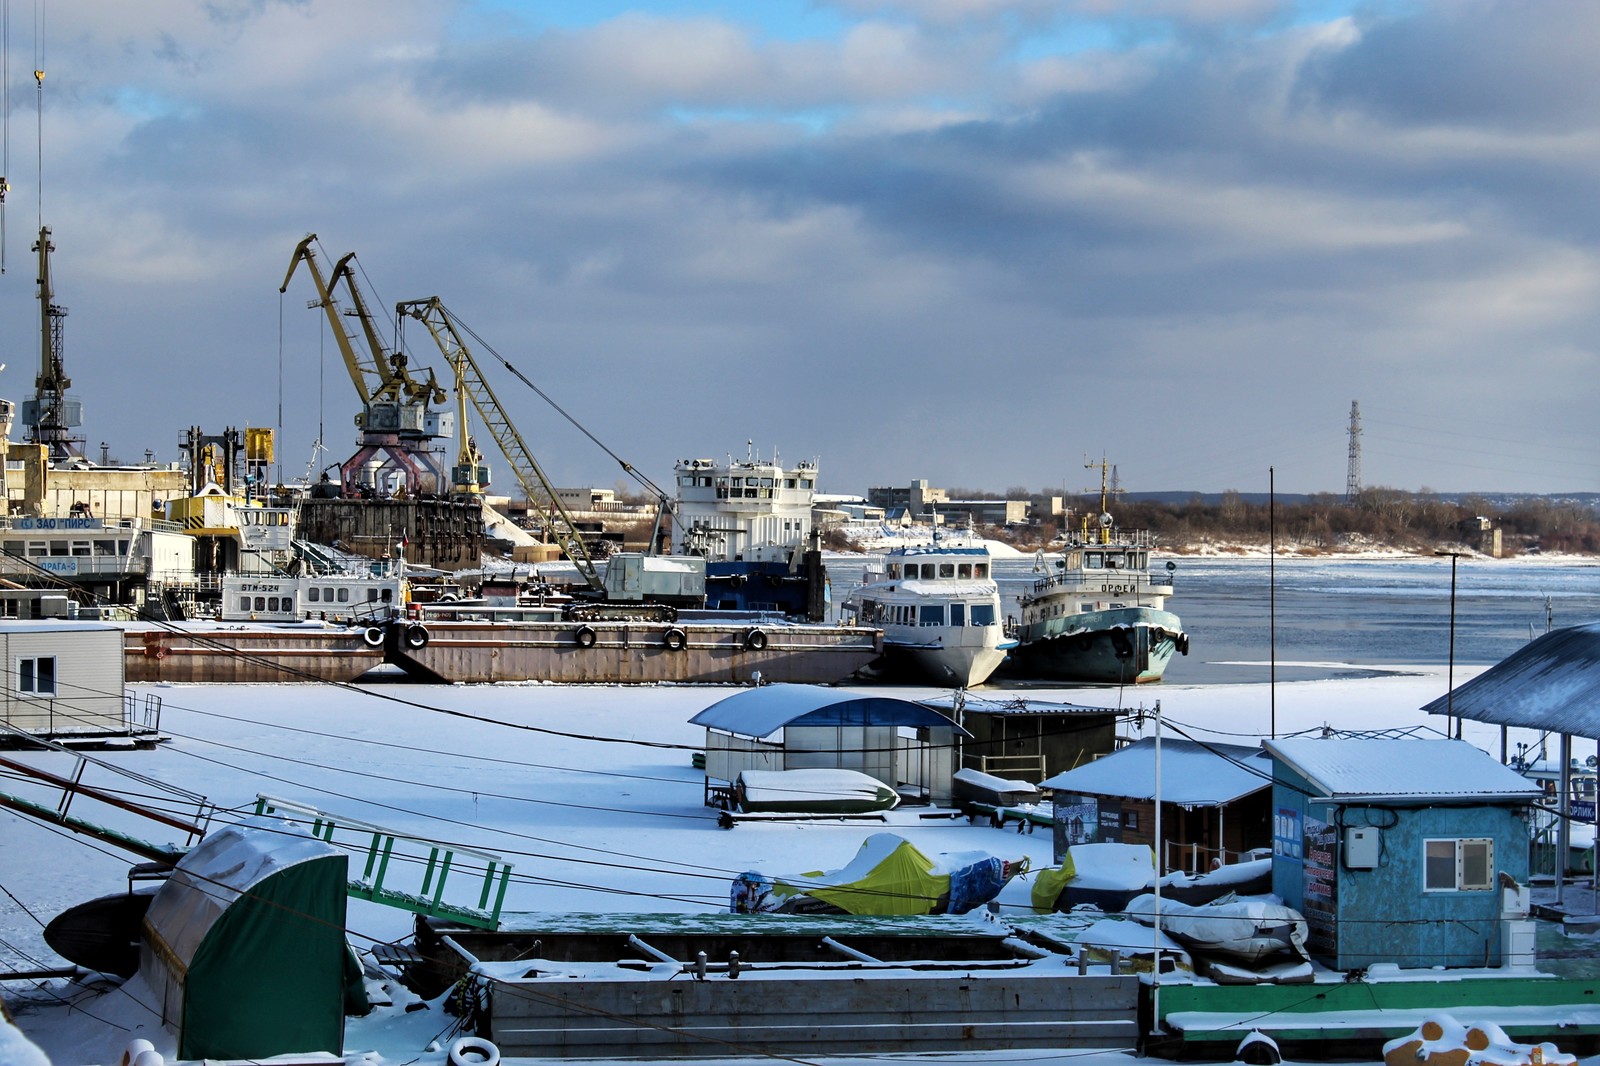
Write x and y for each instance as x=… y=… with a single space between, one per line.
x=636 y=653
x=247 y=655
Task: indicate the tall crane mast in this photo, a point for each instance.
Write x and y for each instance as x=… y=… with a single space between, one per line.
x=51 y=414
x=397 y=426
x=470 y=382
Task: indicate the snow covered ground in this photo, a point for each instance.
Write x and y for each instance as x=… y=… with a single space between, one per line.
x=588 y=791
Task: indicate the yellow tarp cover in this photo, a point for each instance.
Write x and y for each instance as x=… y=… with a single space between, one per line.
x=1049 y=883
x=903 y=882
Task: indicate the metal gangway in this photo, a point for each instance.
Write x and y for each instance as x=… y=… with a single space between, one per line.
x=386 y=849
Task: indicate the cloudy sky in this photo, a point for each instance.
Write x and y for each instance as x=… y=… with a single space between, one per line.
x=973 y=241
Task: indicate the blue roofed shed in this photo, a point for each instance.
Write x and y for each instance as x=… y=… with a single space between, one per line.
x=909 y=747
x=1393 y=849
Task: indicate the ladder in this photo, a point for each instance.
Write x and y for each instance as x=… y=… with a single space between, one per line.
x=381 y=852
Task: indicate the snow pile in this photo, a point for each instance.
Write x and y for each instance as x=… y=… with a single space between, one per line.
x=1443 y=1041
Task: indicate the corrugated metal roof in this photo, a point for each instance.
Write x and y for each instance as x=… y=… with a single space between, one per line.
x=761 y=712
x=1192 y=775
x=1552 y=683
x=1373 y=769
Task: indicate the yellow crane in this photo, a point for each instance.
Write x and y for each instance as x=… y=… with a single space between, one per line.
x=395 y=419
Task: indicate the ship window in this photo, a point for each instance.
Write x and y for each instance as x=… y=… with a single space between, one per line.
x=273 y=604
x=980 y=570
x=344 y=595
x=81 y=547
x=805 y=483
x=37 y=676
x=105 y=547
x=958 y=614
x=38 y=547
x=1115 y=561
x=261 y=603
x=947 y=569
x=1139 y=561
x=766 y=482
x=788 y=482
x=927 y=571
x=372 y=595
x=983 y=614
x=58 y=547
x=388 y=595
x=965 y=570
x=894 y=571
x=932 y=614
x=313 y=594
x=244 y=604
x=1093 y=561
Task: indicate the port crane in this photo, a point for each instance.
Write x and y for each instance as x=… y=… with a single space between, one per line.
x=470 y=384
x=51 y=414
x=397 y=423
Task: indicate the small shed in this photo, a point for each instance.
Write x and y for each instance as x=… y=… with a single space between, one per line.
x=65 y=678
x=1394 y=849
x=1027 y=739
x=244 y=944
x=1216 y=802
x=909 y=747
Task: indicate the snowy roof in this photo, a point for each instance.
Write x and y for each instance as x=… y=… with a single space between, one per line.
x=1552 y=683
x=1013 y=706
x=1369 y=770
x=761 y=712
x=53 y=625
x=1192 y=775
x=936 y=549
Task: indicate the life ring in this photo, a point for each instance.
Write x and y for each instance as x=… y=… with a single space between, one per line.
x=416 y=637
x=373 y=635
x=584 y=637
x=473 y=1051
x=736 y=580
x=675 y=639
x=755 y=639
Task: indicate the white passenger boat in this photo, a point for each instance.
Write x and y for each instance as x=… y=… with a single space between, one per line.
x=939 y=609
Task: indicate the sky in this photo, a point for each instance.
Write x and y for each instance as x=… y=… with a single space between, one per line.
x=979 y=242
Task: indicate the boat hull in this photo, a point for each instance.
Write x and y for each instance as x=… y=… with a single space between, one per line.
x=254 y=654
x=1119 y=646
x=964 y=666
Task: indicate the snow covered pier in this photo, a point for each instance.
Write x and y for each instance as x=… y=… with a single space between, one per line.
x=658 y=985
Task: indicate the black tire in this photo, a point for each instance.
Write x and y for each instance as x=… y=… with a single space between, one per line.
x=584 y=637
x=755 y=640
x=416 y=637
x=372 y=636
x=675 y=639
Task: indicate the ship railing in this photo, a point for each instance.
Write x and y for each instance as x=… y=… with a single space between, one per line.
x=1143 y=580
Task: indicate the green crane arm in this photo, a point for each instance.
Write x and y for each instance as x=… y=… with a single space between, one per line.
x=432 y=314
x=359 y=371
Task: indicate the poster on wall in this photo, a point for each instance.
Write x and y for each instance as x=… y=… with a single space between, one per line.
x=1110 y=822
x=1081 y=819
x=1287 y=836
x=1320 y=866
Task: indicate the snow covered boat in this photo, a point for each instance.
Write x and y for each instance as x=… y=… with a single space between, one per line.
x=813 y=791
x=939 y=609
x=1249 y=930
x=1100 y=615
x=887 y=876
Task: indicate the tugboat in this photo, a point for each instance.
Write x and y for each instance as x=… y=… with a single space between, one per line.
x=939 y=609
x=1100 y=616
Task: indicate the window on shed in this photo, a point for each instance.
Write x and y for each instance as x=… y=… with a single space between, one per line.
x=36 y=676
x=1465 y=865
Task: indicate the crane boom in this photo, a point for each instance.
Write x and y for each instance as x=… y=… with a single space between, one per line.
x=359 y=371
x=541 y=494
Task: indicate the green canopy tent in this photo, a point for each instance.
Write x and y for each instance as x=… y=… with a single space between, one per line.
x=244 y=945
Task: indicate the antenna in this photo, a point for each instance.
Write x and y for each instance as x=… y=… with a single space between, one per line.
x=1352 y=478
x=5 y=120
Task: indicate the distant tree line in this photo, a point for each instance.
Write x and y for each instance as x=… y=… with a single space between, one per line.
x=1392 y=517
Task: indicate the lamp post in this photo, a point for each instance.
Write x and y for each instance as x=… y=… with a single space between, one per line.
x=1450 y=695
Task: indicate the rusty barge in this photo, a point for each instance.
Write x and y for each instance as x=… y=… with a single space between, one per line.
x=476 y=652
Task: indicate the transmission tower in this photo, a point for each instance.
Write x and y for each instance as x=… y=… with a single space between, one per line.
x=1352 y=479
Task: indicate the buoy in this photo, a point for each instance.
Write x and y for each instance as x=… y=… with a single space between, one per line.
x=675 y=639
x=416 y=637
x=755 y=640
x=473 y=1051
x=584 y=637
x=373 y=635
